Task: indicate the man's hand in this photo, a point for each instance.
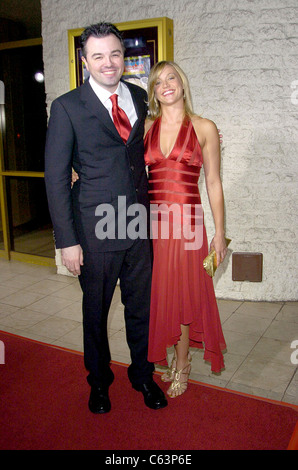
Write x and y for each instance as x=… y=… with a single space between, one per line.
x=72 y=258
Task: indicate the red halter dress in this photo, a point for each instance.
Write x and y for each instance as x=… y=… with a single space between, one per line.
x=182 y=292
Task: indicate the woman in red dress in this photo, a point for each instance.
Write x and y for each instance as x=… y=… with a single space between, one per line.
x=178 y=143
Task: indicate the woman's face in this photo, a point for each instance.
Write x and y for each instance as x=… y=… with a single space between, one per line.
x=168 y=88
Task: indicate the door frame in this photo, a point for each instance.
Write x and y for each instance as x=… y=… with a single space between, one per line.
x=7 y=253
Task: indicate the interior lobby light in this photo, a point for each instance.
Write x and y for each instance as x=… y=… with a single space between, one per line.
x=39 y=77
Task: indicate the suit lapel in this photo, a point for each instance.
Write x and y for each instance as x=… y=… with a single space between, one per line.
x=94 y=105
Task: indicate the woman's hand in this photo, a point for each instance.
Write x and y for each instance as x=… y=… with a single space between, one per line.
x=218 y=243
x=74 y=177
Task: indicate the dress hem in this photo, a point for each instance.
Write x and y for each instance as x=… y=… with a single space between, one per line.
x=215 y=359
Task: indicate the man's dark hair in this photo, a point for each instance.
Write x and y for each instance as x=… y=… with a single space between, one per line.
x=99 y=30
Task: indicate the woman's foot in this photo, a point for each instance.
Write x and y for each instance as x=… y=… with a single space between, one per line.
x=180 y=382
x=168 y=376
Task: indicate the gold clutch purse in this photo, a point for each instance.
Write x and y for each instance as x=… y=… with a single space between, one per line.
x=210 y=262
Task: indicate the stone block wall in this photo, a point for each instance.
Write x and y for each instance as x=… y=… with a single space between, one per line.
x=241 y=60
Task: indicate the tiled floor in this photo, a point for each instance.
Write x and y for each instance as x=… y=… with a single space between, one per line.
x=37 y=303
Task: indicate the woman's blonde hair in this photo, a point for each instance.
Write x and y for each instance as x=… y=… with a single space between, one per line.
x=154 y=106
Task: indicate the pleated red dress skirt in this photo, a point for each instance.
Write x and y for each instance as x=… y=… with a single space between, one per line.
x=182 y=292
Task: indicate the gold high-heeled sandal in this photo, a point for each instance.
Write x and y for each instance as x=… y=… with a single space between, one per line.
x=179 y=386
x=168 y=376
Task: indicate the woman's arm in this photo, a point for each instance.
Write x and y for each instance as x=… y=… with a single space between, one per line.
x=210 y=143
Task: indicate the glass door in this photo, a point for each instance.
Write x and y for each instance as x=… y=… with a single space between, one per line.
x=26 y=231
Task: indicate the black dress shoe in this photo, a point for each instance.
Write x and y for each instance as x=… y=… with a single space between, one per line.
x=99 y=401
x=154 y=397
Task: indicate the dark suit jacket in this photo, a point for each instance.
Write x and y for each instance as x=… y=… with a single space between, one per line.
x=82 y=135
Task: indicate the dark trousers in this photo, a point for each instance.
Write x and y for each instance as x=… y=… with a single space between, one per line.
x=98 y=280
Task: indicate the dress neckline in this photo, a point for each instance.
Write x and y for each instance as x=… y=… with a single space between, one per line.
x=185 y=119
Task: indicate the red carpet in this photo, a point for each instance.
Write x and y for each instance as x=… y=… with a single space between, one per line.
x=44 y=396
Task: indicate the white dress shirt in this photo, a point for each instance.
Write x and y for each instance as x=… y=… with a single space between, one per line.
x=124 y=99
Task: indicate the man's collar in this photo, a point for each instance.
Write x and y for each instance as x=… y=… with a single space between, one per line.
x=102 y=93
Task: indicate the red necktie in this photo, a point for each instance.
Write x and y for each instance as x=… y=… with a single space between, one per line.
x=120 y=119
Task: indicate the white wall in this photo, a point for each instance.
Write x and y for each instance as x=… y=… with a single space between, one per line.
x=241 y=60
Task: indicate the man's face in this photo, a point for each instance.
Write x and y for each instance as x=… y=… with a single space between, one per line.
x=105 y=61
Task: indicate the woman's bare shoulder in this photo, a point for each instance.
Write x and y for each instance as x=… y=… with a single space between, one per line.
x=148 y=124
x=203 y=124
x=205 y=130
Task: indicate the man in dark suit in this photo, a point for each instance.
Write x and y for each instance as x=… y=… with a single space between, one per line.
x=82 y=135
